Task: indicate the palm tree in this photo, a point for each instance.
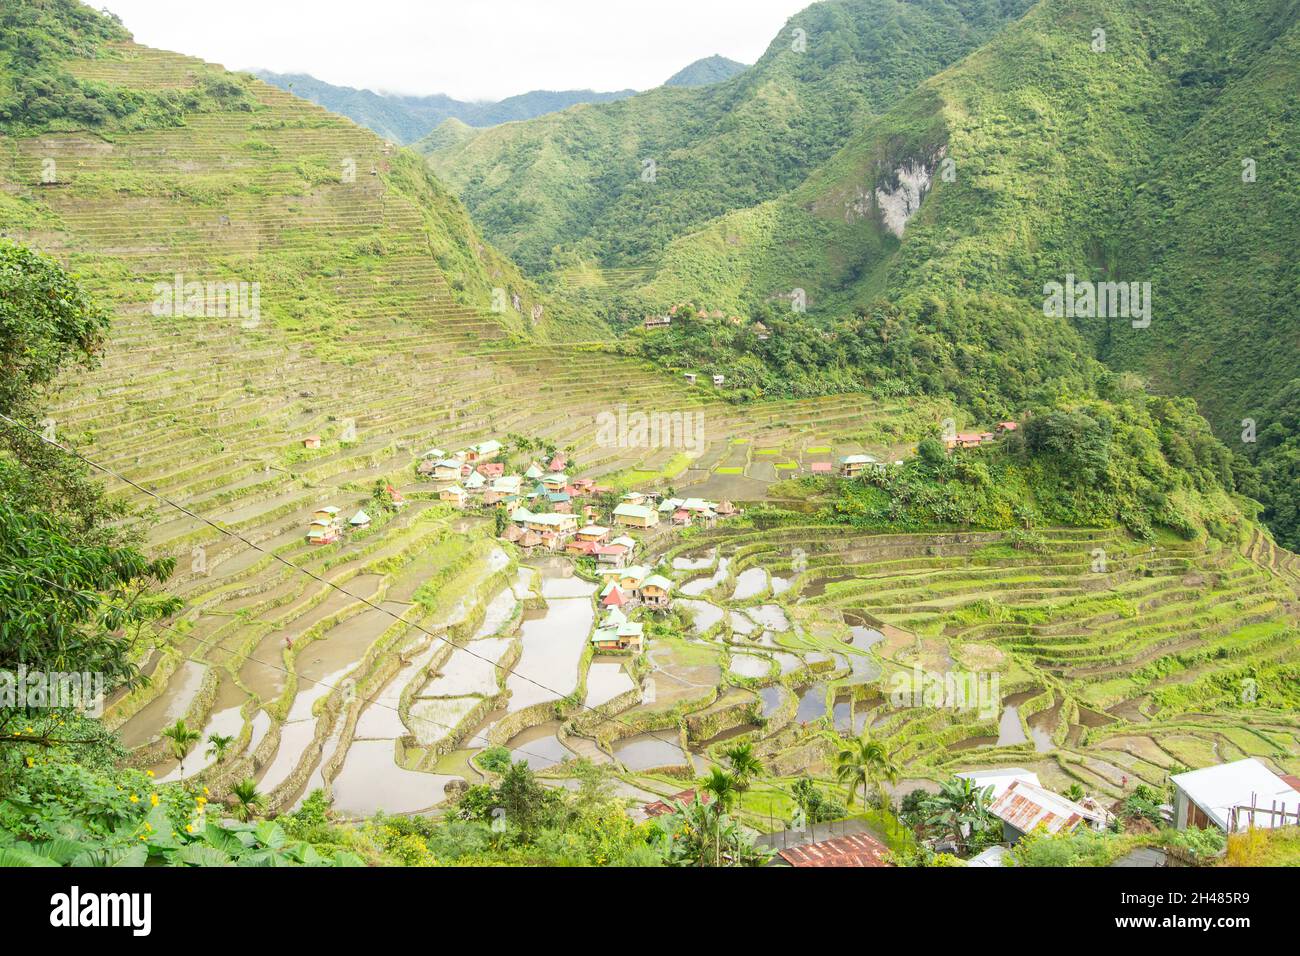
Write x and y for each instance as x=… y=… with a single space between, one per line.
x=743 y=764
x=246 y=802
x=181 y=738
x=865 y=763
x=959 y=808
x=723 y=787
x=218 y=744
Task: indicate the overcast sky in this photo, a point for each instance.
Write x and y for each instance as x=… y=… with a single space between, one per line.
x=469 y=49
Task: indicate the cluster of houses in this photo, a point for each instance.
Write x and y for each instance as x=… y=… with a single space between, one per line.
x=474 y=475
x=625 y=589
x=328 y=524
x=975 y=439
x=551 y=511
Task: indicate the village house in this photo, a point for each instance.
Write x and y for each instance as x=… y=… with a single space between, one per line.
x=853 y=466
x=555 y=482
x=455 y=495
x=475 y=482
x=1003 y=427
x=483 y=451
x=1024 y=807
x=558 y=524
x=656 y=592
x=612 y=596
x=558 y=463
x=534 y=472
x=507 y=485
x=322 y=532
x=448 y=469
x=325 y=527
x=311 y=441
x=636 y=516
x=1223 y=796
x=822 y=468
x=690 y=378
x=491 y=469
x=628 y=636
x=396 y=497
x=434 y=454
x=968 y=440
x=719 y=379
x=657 y=321
x=360 y=521
x=593 y=533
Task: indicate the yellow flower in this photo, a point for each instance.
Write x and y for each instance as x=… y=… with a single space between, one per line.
x=189 y=828
x=134 y=798
x=207 y=792
x=149 y=827
x=142 y=836
x=201 y=800
x=153 y=799
x=30 y=763
x=149 y=773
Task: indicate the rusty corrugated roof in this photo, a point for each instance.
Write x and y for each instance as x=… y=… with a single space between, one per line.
x=858 y=849
x=1027 y=807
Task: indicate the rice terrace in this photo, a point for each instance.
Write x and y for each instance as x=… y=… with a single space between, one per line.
x=471 y=493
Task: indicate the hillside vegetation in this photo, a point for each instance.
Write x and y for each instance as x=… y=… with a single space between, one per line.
x=1122 y=164
x=613 y=184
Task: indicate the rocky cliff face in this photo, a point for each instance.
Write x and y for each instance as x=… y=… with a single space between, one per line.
x=901 y=195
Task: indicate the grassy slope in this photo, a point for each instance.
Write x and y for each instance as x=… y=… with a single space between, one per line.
x=574 y=179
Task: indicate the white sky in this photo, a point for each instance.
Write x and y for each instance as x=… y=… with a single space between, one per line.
x=469 y=49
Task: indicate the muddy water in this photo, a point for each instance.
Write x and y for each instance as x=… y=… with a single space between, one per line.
x=370 y=780
x=1041 y=725
x=171 y=705
x=380 y=719
x=771 y=698
x=646 y=750
x=817 y=587
x=324 y=664
x=605 y=681
x=264 y=671
x=470 y=670
x=497 y=614
x=812 y=703
x=433 y=719
x=741 y=623
x=684 y=563
x=749 y=583
x=864 y=667
x=770 y=616
x=539 y=746
x=294 y=738
x=842 y=714
x=750 y=665
x=226 y=720
x=553 y=642
x=704 y=614
x=780 y=585
x=700 y=585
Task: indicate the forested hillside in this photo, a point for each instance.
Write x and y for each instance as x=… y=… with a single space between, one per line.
x=613 y=184
x=1162 y=150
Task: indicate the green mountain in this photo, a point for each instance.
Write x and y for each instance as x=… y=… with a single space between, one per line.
x=1117 y=165
x=612 y=184
x=706 y=72
x=405 y=119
